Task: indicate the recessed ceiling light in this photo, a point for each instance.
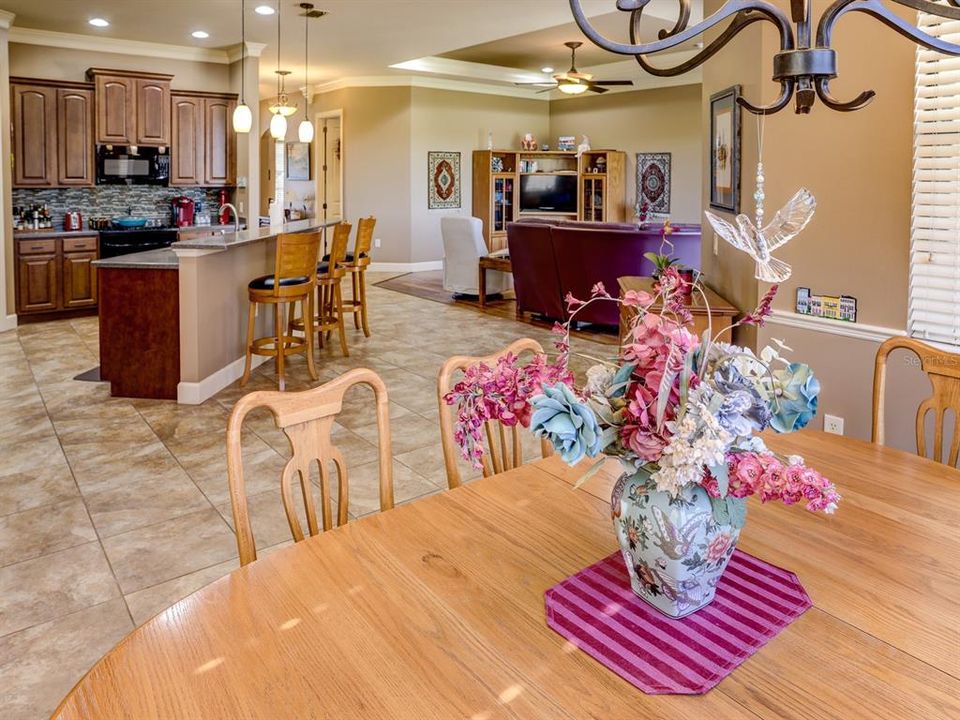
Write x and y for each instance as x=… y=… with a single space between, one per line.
x=264 y=10
x=200 y=34
x=546 y=69
x=99 y=22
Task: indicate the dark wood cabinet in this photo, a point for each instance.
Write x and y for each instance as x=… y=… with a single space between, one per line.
x=220 y=164
x=133 y=108
x=187 y=156
x=75 y=136
x=34 y=135
x=55 y=275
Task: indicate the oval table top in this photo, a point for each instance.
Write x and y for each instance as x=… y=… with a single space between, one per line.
x=435 y=610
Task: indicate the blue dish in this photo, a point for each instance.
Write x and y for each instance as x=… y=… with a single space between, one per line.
x=129 y=222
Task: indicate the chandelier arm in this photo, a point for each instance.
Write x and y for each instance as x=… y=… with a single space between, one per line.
x=878 y=10
x=682 y=19
x=729 y=9
x=823 y=92
x=786 y=94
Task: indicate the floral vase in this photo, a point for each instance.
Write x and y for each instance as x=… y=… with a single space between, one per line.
x=674 y=548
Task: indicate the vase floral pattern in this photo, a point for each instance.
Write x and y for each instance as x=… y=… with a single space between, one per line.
x=674 y=547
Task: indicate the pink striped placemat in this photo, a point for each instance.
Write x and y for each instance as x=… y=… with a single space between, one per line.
x=598 y=612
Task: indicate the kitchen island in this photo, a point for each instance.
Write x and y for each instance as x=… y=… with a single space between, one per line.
x=173 y=321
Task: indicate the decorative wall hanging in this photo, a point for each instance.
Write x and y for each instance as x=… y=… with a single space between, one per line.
x=805 y=64
x=653 y=182
x=725 y=154
x=443 y=180
x=298 y=161
x=833 y=307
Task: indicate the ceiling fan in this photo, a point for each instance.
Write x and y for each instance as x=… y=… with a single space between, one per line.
x=574 y=82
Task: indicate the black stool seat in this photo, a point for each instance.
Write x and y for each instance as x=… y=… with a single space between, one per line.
x=348 y=258
x=266 y=282
x=322 y=267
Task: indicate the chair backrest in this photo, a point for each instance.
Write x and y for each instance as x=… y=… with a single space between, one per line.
x=943 y=370
x=536 y=281
x=296 y=257
x=307 y=419
x=462 y=237
x=501 y=454
x=338 y=249
x=364 y=242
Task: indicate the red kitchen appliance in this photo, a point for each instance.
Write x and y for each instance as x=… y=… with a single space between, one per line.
x=72 y=221
x=224 y=212
x=182 y=211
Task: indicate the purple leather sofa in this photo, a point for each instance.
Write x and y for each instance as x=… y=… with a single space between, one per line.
x=552 y=258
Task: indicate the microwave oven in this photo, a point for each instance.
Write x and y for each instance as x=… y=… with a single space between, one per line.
x=119 y=165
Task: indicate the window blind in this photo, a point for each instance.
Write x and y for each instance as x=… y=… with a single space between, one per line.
x=934 y=309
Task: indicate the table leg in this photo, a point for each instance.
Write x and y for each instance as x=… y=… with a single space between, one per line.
x=483 y=286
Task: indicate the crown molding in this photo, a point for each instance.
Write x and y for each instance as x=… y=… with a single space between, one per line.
x=6 y=19
x=416 y=81
x=75 y=41
x=254 y=49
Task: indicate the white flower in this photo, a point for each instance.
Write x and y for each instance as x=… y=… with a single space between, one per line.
x=599 y=378
x=795 y=459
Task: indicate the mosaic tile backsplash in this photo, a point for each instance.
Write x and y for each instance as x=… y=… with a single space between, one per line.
x=147 y=201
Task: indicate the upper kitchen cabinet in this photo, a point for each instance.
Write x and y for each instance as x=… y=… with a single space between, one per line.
x=34 y=135
x=52 y=133
x=133 y=108
x=204 y=143
x=220 y=163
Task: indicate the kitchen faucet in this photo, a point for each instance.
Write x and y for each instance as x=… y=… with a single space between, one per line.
x=236 y=216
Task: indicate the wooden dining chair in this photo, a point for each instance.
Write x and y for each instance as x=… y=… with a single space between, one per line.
x=502 y=453
x=943 y=371
x=293 y=281
x=306 y=418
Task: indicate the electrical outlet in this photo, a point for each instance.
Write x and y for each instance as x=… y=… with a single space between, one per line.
x=833 y=424
x=376 y=242
x=241 y=206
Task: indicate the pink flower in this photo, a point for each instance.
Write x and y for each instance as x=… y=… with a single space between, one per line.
x=763 y=310
x=745 y=478
x=637 y=298
x=718 y=546
x=572 y=302
x=598 y=290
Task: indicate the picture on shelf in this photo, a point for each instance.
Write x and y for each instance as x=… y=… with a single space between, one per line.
x=725 y=150
x=566 y=143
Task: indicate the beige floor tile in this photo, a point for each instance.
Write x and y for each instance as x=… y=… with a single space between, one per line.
x=38 y=590
x=409 y=432
x=268 y=519
x=128 y=430
x=51 y=484
x=152 y=555
x=205 y=460
x=39 y=665
x=146 y=603
x=364 y=486
x=34 y=424
x=98 y=466
x=40 y=531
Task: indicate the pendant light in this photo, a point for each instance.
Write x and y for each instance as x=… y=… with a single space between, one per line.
x=280 y=111
x=305 y=130
x=242 y=117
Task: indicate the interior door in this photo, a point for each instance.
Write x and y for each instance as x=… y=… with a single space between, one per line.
x=331 y=170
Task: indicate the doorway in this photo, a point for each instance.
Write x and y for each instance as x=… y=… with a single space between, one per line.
x=329 y=148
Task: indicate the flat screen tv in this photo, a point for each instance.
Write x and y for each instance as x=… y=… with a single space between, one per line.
x=548 y=193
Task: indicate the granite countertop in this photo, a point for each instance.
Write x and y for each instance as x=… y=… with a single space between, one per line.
x=215 y=226
x=160 y=259
x=51 y=233
x=231 y=240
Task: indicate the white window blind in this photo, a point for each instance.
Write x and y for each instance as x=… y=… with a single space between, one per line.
x=934 y=313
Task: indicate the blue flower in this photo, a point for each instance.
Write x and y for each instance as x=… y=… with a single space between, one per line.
x=731 y=382
x=796 y=392
x=568 y=424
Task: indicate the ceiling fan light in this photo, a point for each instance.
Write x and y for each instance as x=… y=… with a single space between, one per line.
x=278 y=127
x=569 y=88
x=305 y=131
x=242 y=119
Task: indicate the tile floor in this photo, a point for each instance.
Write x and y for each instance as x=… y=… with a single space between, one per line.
x=113 y=509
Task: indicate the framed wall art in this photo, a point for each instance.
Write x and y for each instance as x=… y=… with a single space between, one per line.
x=725 y=150
x=298 y=161
x=653 y=182
x=443 y=180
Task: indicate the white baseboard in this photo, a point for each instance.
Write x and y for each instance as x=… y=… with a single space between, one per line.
x=8 y=323
x=194 y=393
x=406 y=267
x=858 y=331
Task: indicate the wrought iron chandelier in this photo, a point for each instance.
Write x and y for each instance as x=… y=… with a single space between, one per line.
x=803 y=69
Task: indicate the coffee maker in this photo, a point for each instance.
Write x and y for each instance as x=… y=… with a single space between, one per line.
x=182 y=209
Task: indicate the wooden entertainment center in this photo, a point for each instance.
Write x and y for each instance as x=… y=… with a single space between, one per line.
x=499 y=174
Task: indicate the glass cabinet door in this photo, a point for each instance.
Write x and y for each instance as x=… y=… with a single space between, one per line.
x=502 y=203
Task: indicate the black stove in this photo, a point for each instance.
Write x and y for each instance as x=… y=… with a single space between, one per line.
x=134 y=240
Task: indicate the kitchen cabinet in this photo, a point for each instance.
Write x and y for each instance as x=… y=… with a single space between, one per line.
x=34 y=135
x=133 y=108
x=75 y=136
x=204 y=144
x=55 y=274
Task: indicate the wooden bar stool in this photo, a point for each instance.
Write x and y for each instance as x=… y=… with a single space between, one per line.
x=293 y=281
x=330 y=272
x=356 y=265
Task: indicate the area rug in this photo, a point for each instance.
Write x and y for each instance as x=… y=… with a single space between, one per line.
x=598 y=612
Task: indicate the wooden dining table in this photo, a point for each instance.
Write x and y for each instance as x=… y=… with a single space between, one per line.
x=436 y=610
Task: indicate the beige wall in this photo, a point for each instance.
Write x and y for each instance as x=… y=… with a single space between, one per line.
x=661 y=120
x=858 y=165
x=9 y=304
x=459 y=121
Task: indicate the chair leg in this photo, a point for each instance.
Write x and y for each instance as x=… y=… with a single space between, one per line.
x=363 y=302
x=320 y=315
x=306 y=307
x=251 y=320
x=338 y=300
x=278 y=319
x=355 y=287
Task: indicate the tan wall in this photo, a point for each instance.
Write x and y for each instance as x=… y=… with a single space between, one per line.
x=8 y=307
x=858 y=165
x=65 y=64
x=459 y=121
x=661 y=120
